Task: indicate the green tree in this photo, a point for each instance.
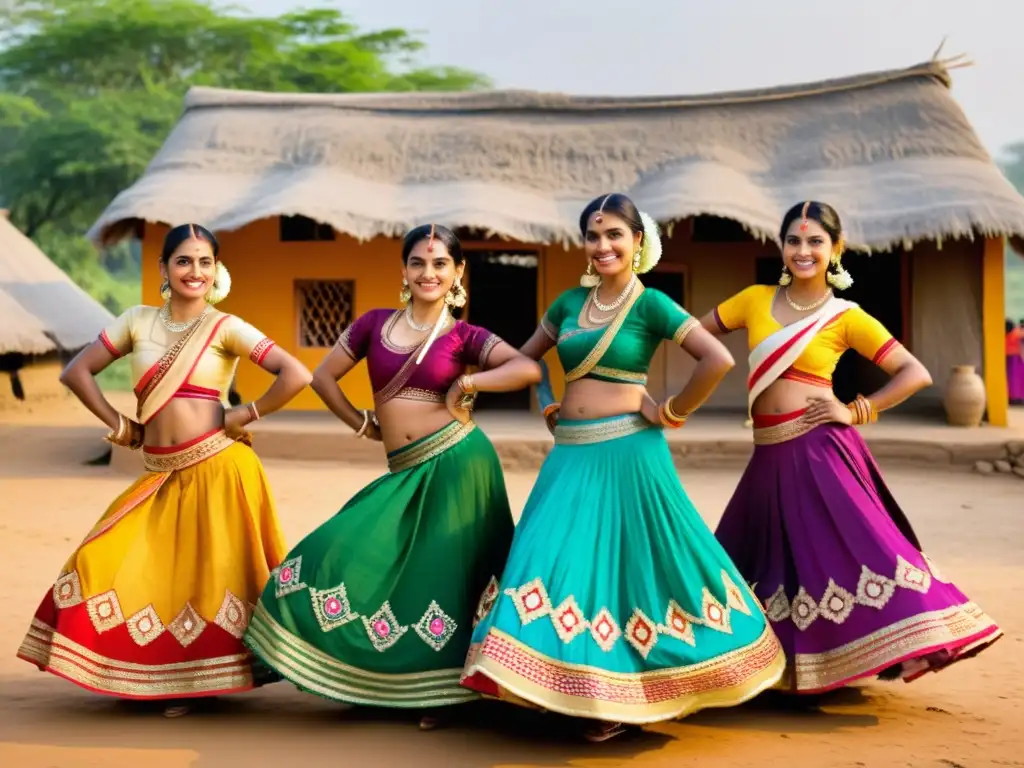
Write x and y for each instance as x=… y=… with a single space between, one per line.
x=1013 y=164
x=90 y=88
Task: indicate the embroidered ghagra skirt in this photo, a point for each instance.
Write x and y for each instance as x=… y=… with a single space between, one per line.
x=155 y=601
x=376 y=606
x=617 y=603
x=837 y=565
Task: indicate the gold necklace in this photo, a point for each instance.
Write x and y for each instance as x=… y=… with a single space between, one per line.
x=808 y=307
x=176 y=327
x=421 y=328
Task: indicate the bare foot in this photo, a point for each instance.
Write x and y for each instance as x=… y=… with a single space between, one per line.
x=176 y=710
x=429 y=722
x=604 y=732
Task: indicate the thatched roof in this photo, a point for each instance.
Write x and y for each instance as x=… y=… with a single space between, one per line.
x=892 y=151
x=20 y=330
x=64 y=311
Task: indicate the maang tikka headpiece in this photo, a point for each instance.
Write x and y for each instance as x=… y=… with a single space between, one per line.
x=430 y=240
x=803 y=215
x=599 y=218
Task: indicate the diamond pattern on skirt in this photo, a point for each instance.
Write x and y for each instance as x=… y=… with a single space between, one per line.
x=804 y=609
x=145 y=626
x=67 y=590
x=714 y=614
x=435 y=627
x=104 y=611
x=678 y=624
x=568 y=620
x=187 y=626
x=641 y=633
x=383 y=628
x=233 y=617
x=604 y=630
x=873 y=589
x=836 y=603
x=332 y=607
x=531 y=601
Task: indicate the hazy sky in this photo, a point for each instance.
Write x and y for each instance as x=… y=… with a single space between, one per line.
x=694 y=46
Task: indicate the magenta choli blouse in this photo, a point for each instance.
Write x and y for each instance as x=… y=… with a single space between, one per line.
x=393 y=369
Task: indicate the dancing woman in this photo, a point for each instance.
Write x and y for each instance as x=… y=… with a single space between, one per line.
x=154 y=602
x=617 y=604
x=417 y=548
x=812 y=525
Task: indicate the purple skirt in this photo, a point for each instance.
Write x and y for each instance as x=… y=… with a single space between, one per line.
x=1015 y=378
x=840 y=573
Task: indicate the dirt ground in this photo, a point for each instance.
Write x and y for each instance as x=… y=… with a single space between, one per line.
x=961 y=718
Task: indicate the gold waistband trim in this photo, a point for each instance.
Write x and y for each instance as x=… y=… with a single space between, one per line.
x=430 y=447
x=782 y=433
x=599 y=432
x=186 y=457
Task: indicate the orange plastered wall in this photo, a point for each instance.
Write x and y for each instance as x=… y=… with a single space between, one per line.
x=263 y=274
x=560 y=270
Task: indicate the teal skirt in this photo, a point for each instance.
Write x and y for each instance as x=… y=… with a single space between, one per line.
x=617 y=603
x=377 y=605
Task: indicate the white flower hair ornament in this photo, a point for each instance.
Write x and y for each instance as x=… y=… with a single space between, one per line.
x=840 y=279
x=221 y=285
x=650 y=248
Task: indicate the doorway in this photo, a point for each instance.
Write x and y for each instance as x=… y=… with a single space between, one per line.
x=665 y=374
x=879 y=290
x=502 y=288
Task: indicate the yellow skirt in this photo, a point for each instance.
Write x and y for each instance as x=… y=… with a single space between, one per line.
x=155 y=601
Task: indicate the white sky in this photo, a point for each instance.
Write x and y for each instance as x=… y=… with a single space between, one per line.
x=629 y=47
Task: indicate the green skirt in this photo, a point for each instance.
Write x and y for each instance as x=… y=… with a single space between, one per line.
x=377 y=605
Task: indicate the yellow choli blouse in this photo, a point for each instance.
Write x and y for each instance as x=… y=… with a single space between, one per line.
x=854 y=329
x=138 y=331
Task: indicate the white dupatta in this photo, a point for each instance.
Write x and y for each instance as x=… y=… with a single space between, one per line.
x=775 y=354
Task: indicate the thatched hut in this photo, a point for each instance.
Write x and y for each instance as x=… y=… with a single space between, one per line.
x=311 y=192
x=44 y=318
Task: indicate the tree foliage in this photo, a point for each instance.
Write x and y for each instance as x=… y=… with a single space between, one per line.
x=90 y=88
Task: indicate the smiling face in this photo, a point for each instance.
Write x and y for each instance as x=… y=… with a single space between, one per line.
x=610 y=244
x=191 y=269
x=431 y=274
x=807 y=252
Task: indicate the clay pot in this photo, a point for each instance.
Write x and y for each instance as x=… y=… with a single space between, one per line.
x=965 y=397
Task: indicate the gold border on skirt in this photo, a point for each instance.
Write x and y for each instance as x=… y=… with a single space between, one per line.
x=431 y=446
x=781 y=433
x=172 y=462
x=609 y=429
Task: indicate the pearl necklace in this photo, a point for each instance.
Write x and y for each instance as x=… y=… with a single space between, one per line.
x=618 y=301
x=176 y=327
x=808 y=307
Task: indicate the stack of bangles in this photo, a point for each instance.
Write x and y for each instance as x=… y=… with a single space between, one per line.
x=669 y=417
x=863 y=411
x=129 y=433
x=468 y=392
x=369 y=417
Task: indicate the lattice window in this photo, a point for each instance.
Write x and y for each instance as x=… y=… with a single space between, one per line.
x=325 y=309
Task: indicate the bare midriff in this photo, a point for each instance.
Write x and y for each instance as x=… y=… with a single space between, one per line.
x=406 y=421
x=183 y=420
x=596 y=399
x=786 y=396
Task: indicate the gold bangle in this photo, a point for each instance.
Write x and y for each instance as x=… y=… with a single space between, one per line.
x=466 y=383
x=361 y=432
x=672 y=413
x=253 y=411
x=669 y=419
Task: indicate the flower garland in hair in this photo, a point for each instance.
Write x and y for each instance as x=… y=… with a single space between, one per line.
x=840 y=279
x=221 y=285
x=650 y=248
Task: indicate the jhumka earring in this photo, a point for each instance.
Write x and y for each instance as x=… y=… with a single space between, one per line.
x=636 y=259
x=590 y=278
x=785 y=278
x=165 y=290
x=456 y=296
x=405 y=295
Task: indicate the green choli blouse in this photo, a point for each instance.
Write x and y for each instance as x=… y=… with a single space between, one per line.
x=652 y=318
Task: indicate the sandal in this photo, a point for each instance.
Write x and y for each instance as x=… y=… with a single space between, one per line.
x=604 y=732
x=176 y=710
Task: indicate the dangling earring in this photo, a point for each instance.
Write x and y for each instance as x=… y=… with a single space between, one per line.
x=165 y=290
x=785 y=278
x=405 y=295
x=636 y=260
x=590 y=278
x=456 y=297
